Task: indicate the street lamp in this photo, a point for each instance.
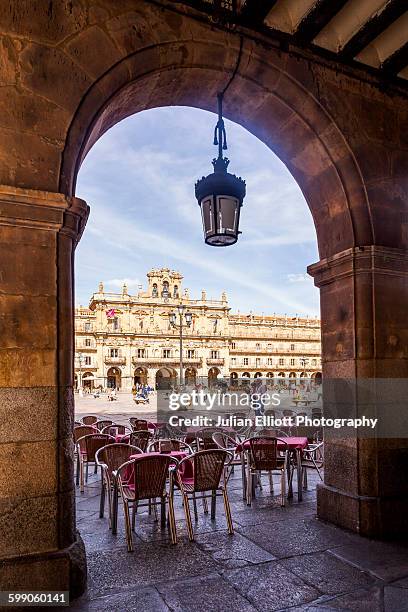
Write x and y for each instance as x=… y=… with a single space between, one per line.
x=188 y=317
x=220 y=195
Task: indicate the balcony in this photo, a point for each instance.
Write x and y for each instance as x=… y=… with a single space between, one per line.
x=175 y=360
x=115 y=360
x=215 y=361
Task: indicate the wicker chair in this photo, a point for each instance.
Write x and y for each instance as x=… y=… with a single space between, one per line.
x=264 y=456
x=147 y=483
x=103 y=423
x=116 y=430
x=138 y=424
x=89 y=419
x=312 y=457
x=204 y=439
x=166 y=445
x=88 y=446
x=110 y=458
x=140 y=439
x=229 y=443
x=209 y=476
x=80 y=432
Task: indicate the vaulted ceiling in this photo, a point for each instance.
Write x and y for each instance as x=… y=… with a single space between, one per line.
x=365 y=33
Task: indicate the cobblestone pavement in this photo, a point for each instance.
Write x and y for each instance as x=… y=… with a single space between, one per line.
x=278 y=559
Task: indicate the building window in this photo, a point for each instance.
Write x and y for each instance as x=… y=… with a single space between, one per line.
x=281 y=361
x=233 y=360
x=257 y=346
x=246 y=361
x=292 y=362
x=114 y=352
x=314 y=362
x=233 y=345
x=292 y=347
x=175 y=291
x=87 y=342
x=165 y=292
x=141 y=353
x=166 y=353
x=87 y=361
x=215 y=354
x=115 y=324
x=87 y=326
x=270 y=361
x=155 y=293
x=258 y=361
x=191 y=354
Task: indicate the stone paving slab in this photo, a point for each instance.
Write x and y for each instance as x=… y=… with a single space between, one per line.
x=270 y=586
x=385 y=560
x=327 y=573
x=204 y=593
x=146 y=599
x=110 y=571
x=232 y=551
x=291 y=537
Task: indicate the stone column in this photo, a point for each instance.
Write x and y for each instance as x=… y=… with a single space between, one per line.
x=39 y=545
x=364 y=298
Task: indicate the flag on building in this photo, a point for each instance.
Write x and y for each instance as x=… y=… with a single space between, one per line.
x=111 y=313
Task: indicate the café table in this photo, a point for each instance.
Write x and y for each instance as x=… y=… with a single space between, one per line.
x=293 y=445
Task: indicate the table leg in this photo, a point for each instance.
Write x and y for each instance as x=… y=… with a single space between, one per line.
x=115 y=508
x=290 y=480
x=243 y=468
x=299 y=473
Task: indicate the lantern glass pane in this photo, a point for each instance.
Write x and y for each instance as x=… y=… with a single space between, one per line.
x=207 y=213
x=227 y=214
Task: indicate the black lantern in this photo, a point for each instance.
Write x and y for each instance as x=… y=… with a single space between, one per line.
x=220 y=194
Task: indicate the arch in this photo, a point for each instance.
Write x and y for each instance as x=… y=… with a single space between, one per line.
x=317 y=376
x=258 y=375
x=245 y=375
x=303 y=375
x=281 y=375
x=140 y=376
x=190 y=376
x=87 y=380
x=283 y=113
x=270 y=375
x=166 y=378
x=114 y=378
x=213 y=374
x=292 y=374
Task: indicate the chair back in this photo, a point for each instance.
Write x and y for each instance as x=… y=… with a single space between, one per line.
x=104 y=423
x=112 y=456
x=225 y=441
x=89 y=419
x=116 y=430
x=149 y=475
x=138 y=424
x=264 y=453
x=83 y=430
x=204 y=439
x=140 y=439
x=208 y=468
x=94 y=442
x=167 y=445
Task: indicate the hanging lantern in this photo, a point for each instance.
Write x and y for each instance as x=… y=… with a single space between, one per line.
x=220 y=194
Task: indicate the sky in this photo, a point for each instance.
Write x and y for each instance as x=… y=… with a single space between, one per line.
x=138 y=180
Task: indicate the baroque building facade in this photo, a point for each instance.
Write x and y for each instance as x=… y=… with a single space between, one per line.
x=123 y=339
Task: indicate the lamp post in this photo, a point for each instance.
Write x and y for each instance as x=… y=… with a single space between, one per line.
x=181 y=310
x=80 y=361
x=304 y=362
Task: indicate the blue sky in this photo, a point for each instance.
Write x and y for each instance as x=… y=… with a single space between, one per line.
x=139 y=182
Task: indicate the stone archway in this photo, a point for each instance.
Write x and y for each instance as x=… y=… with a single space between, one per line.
x=114 y=378
x=190 y=376
x=140 y=376
x=166 y=378
x=212 y=376
x=327 y=127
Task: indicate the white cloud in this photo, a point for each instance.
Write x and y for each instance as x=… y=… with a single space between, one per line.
x=298 y=278
x=119 y=282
